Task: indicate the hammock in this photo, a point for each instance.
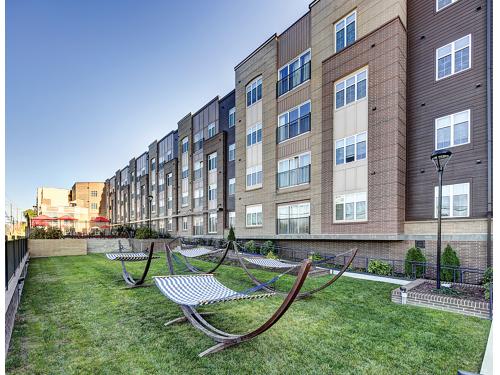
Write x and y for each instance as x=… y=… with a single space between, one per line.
x=194 y=253
x=191 y=291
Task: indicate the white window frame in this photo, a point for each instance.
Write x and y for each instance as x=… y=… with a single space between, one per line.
x=184 y=224
x=356 y=75
x=185 y=144
x=231 y=219
x=448 y=191
x=286 y=118
x=212 y=223
x=350 y=198
x=232 y=182
x=255 y=212
x=452 y=52
x=254 y=84
x=445 y=6
x=232 y=115
x=357 y=139
x=452 y=122
x=254 y=130
x=300 y=64
x=212 y=162
x=212 y=131
x=254 y=171
x=231 y=152
x=344 y=28
x=212 y=192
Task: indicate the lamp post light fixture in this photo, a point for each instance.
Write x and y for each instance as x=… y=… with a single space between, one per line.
x=440 y=159
x=150 y=198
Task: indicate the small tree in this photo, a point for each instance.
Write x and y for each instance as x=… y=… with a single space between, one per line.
x=267 y=248
x=250 y=247
x=449 y=259
x=143 y=233
x=231 y=236
x=414 y=254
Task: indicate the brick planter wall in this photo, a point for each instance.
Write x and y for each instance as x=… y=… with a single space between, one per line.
x=443 y=302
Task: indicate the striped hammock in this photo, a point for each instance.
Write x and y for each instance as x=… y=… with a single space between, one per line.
x=196 y=252
x=199 y=290
x=129 y=257
x=269 y=263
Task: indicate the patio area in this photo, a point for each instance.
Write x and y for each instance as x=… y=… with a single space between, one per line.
x=75 y=318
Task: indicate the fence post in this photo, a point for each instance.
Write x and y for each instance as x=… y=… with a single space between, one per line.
x=6 y=265
x=491 y=301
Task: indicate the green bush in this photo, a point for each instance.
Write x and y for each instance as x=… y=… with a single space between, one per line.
x=37 y=233
x=271 y=255
x=143 y=233
x=315 y=257
x=487 y=280
x=231 y=236
x=50 y=233
x=379 y=267
x=267 y=248
x=414 y=254
x=449 y=259
x=250 y=247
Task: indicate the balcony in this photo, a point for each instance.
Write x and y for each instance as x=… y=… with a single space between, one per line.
x=295 y=78
x=293 y=128
x=299 y=225
x=294 y=177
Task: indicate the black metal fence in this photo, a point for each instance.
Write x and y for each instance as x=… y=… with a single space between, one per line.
x=15 y=251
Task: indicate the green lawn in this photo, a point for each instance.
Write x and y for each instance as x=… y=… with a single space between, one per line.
x=74 y=319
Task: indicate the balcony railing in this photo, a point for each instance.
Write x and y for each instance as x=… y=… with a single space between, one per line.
x=198 y=230
x=299 y=225
x=293 y=177
x=293 y=128
x=295 y=78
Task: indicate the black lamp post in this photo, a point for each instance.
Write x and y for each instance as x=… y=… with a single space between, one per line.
x=440 y=159
x=150 y=198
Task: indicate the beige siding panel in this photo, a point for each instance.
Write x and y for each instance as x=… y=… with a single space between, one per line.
x=294 y=98
x=294 y=146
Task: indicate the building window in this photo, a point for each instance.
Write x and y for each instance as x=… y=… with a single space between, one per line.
x=294 y=218
x=232 y=152
x=198 y=141
x=169 y=224
x=184 y=223
x=212 y=192
x=345 y=32
x=169 y=202
x=153 y=165
x=254 y=176
x=198 y=225
x=294 y=73
x=254 y=91
x=294 y=122
x=453 y=58
x=455 y=200
x=212 y=162
x=185 y=172
x=93 y=193
x=350 y=149
x=232 y=117
x=185 y=145
x=142 y=165
x=231 y=219
x=212 y=223
x=211 y=130
x=124 y=176
x=294 y=171
x=350 y=207
x=169 y=179
x=198 y=170
x=453 y=130
x=198 y=198
x=185 y=199
x=254 y=216
x=93 y=206
x=254 y=135
x=351 y=89
x=441 y=4
x=232 y=186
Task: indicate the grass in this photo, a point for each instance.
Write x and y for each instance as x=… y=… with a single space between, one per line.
x=75 y=319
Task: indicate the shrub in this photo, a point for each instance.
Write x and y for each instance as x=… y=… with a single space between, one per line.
x=143 y=233
x=414 y=254
x=487 y=280
x=271 y=255
x=53 y=233
x=37 y=233
x=449 y=259
x=267 y=248
x=315 y=256
x=379 y=267
x=231 y=236
x=250 y=247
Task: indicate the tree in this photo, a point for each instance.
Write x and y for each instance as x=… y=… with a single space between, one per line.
x=231 y=236
x=29 y=213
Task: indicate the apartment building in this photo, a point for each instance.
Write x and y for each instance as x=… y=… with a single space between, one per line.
x=325 y=142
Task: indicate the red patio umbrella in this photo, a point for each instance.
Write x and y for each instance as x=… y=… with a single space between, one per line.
x=66 y=218
x=41 y=221
x=100 y=219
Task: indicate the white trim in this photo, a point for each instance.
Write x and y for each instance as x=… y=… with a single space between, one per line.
x=452 y=126
x=254 y=209
x=444 y=7
x=451 y=195
x=452 y=53
x=344 y=19
x=343 y=81
x=354 y=198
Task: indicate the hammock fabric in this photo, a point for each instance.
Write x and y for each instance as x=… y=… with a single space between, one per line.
x=269 y=263
x=128 y=257
x=189 y=291
x=195 y=252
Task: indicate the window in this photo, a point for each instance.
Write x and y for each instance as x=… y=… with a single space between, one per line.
x=198 y=225
x=142 y=165
x=254 y=216
x=350 y=149
x=232 y=152
x=345 y=32
x=294 y=122
x=184 y=199
x=185 y=145
x=254 y=91
x=212 y=223
x=254 y=176
x=294 y=171
x=294 y=73
x=350 y=207
x=198 y=170
x=198 y=141
x=231 y=219
x=153 y=165
x=232 y=117
x=169 y=179
x=232 y=186
x=293 y=218
x=441 y=4
x=455 y=200
x=351 y=89
x=212 y=192
x=198 y=198
x=93 y=193
x=211 y=130
x=169 y=224
x=184 y=223
x=254 y=135
x=124 y=176
x=185 y=172
x=453 y=58
x=453 y=130
x=93 y=206
x=212 y=162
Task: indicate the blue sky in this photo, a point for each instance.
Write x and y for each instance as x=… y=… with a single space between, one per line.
x=90 y=84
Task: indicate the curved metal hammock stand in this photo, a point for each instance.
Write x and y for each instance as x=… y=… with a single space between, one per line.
x=133 y=257
x=192 y=291
x=194 y=253
x=270 y=263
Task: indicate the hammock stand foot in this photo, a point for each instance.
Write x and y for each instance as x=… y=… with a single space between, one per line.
x=216 y=348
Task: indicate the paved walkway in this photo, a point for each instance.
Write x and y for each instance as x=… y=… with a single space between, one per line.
x=383 y=279
x=487 y=367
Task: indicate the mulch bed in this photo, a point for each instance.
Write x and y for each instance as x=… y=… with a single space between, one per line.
x=459 y=291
